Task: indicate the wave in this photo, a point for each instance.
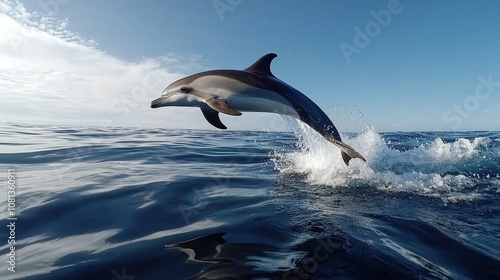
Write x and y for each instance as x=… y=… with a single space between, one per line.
x=441 y=165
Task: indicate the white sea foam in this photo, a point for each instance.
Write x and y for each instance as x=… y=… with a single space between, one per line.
x=432 y=169
x=461 y=148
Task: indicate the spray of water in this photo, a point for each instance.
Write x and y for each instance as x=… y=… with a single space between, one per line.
x=460 y=170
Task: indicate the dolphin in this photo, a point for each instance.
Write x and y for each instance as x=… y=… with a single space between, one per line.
x=254 y=89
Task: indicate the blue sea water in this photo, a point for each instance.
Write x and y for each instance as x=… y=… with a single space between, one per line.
x=130 y=203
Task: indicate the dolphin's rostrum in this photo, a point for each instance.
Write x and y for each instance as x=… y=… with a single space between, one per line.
x=254 y=89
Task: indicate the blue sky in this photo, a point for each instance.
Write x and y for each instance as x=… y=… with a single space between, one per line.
x=394 y=65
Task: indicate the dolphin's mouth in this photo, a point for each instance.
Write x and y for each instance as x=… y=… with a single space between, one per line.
x=159 y=102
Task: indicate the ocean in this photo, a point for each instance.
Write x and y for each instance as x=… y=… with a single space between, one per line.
x=131 y=203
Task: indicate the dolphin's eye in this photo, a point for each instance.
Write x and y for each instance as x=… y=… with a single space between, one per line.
x=184 y=89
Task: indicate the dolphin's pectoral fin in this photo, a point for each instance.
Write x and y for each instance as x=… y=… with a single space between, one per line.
x=212 y=117
x=347 y=153
x=221 y=106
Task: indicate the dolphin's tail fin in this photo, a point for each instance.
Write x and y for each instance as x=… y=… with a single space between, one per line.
x=347 y=153
x=345 y=157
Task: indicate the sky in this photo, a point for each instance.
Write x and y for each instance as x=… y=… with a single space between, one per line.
x=391 y=65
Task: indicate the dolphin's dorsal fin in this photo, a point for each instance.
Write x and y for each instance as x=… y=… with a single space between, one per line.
x=263 y=65
x=212 y=117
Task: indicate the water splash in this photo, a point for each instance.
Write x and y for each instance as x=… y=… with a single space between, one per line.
x=453 y=170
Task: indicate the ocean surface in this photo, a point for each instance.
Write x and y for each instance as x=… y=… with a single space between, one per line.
x=130 y=203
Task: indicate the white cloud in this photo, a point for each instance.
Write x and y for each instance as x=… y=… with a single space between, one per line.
x=50 y=74
x=35 y=21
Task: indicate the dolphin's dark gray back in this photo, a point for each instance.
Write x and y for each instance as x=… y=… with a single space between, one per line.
x=309 y=112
